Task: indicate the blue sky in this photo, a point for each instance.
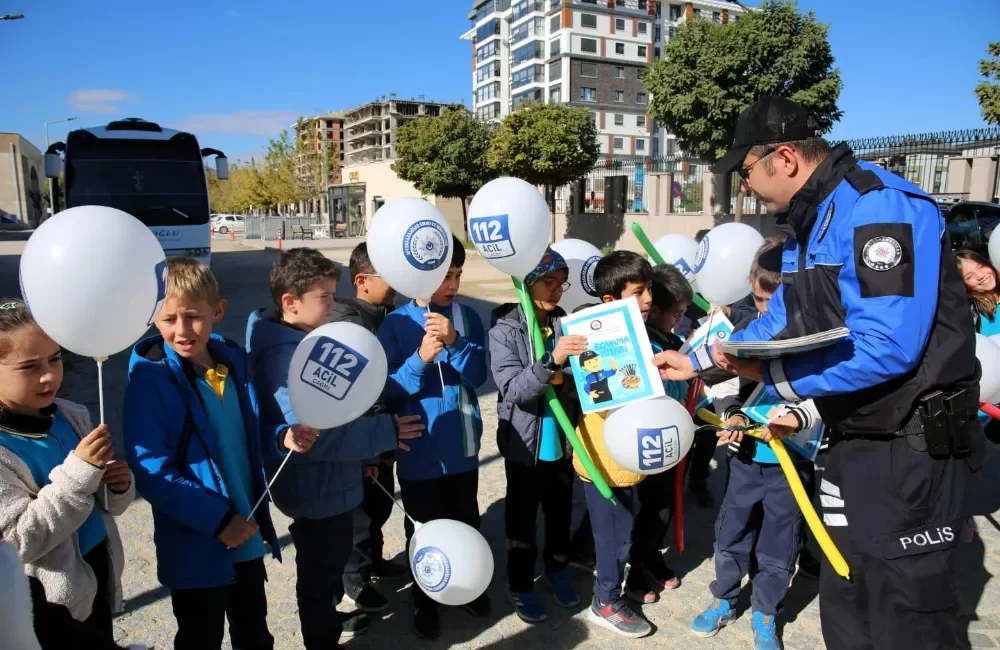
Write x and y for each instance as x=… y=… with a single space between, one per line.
x=237 y=72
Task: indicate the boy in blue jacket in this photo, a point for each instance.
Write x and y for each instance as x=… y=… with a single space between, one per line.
x=192 y=441
x=439 y=474
x=321 y=485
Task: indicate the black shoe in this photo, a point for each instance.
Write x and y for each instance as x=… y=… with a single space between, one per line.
x=354 y=624
x=584 y=559
x=480 y=607
x=388 y=570
x=426 y=622
x=808 y=565
x=702 y=496
x=367 y=599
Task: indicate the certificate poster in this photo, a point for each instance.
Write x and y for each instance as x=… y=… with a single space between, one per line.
x=762 y=408
x=617 y=368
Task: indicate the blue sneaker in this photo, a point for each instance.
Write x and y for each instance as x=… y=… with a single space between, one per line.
x=528 y=606
x=765 y=633
x=713 y=619
x=563 y=589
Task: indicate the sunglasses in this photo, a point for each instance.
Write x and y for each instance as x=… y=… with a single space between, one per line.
x=744 y=172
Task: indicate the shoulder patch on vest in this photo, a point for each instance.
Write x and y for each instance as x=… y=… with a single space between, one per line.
x=881 y=253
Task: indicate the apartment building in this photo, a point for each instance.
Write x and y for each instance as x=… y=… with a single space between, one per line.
x=320 y=138
x=370 y=129
x=589 y=53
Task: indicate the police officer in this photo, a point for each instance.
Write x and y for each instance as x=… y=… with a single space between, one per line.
x=868 y=251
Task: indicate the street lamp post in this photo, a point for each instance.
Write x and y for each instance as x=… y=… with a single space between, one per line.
x=52 y=198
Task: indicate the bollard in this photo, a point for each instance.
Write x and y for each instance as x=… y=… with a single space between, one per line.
x=279 y=240
x=232 y=235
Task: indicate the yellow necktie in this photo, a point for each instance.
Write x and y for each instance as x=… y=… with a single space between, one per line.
x=216 y=378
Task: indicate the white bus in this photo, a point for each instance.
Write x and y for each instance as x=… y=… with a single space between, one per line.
x=155 y=174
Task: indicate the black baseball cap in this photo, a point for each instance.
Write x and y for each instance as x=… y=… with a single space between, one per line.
x=767 y=121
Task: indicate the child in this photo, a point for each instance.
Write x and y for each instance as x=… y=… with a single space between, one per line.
x=439 y=474
x=756 y=481
x=373 y=300
x=536 y=455
x=15 y=601
x=322 y=484
x=54 y=510
x=192 y=435
x=648 y=571
x=621 y=274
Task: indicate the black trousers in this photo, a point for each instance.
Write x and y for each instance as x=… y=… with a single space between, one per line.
x=322 y=547
x=369 y=518
x=201 y=613
x=758 y=521
x=549 y=485
x=454 y=496
x=896 y=515
x=655 y=495
x=56 y=629
x=705 y=442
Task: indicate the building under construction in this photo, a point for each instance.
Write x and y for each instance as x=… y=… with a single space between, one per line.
x=370 y=129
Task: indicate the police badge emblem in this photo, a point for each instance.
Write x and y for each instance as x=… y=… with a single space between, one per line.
x=431 y=569
x=882 y=253
x=425 y=245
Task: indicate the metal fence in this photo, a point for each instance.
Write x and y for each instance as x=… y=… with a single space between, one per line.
x=687 y=182
x=267 y=228
x=923 y=159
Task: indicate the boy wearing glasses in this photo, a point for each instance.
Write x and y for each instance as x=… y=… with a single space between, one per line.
x=373 y=300
x=537 y=457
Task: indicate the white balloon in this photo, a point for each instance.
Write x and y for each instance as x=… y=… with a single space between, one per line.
x=722 y=267
x=509 y=225
x=451 y=561
x=336 y=374
x=681 y=251
x=988 y=353
x=409 y=244
x=994 y=247
x=649 y=437
x=581 y=257
x=94 y=278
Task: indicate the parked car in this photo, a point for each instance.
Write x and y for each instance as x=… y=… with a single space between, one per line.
x=223 y=223
x=970 y=224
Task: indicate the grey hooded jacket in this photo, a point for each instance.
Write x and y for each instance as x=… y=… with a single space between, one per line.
x=521 y=384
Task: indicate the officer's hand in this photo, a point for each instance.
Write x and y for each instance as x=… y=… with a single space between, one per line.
x=748 y=368
x=780 y=427
x=674 y=366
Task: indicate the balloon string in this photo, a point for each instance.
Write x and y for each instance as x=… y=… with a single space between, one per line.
x=438 y=364
x=394 y=502
x=267 y=489
x=100 y=386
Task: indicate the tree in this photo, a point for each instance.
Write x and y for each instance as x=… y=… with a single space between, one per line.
x=545 y=144
x=314 y=183
x=711 y=72
x=988 y=91
x=444 y=156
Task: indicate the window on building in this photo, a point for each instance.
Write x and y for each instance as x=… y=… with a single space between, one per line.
x=531 y=95
x=487 y=30
x=656 y=52
x=588 y=20
x=640 y=98
x=671 y=147
x=619 y=72
x=640 y=144
x=716 y=17
x=642 y=50
x=555 y=94
x=588 y=94
x=619 y=95
x=533 y=50
x=643 y=28
x=554 y=24
x=697 y=13
x=589 y=2
x=640 y=121
x=554 y=49
x=588 y=69
x=619 y=48
x=619 y=119
x=593 y=117
x=588 y=45
x=555 y=70
x=640 y=73
x=676 y=11
x=657 y=34
x=618 y=143
x=486 y=51
x=620 y=24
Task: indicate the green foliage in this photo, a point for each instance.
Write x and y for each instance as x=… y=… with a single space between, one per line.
x=712 y=72
x=444 y=156
x=691 y=197
x=988 y=92
x=314 y=185
x=545 y=144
